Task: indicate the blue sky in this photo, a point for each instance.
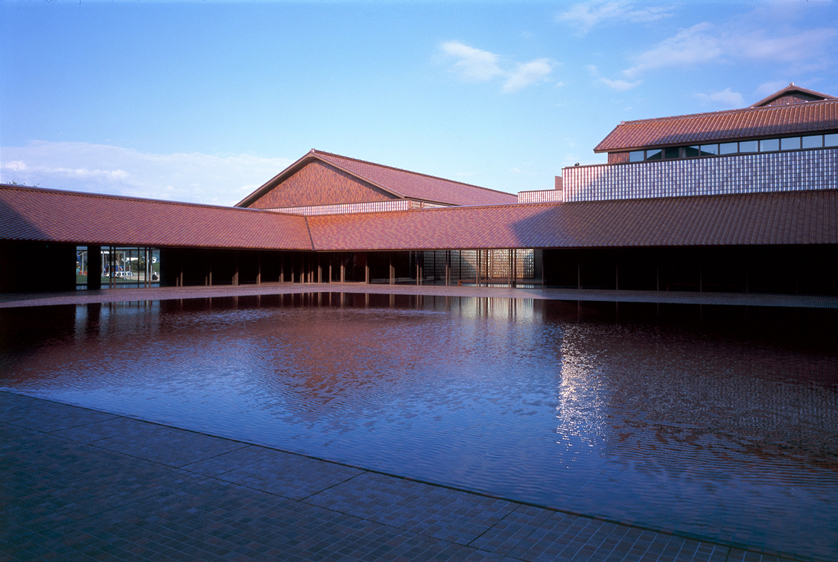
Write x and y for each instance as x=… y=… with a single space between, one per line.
x=205 y=101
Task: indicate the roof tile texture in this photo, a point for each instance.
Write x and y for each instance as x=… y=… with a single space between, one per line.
x=419 y=186
x=317 y=183
x=751 y=219
x=798 y=118
x=56 y=216
x=809 y=217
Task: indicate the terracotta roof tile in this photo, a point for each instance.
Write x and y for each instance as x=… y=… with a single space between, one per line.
x=401 y=183
x=776 y=218
x=61 y=216
x=420 y=186
x=753 y=122
x=809 y=217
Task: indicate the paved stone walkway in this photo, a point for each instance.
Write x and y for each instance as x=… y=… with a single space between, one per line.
x=79 y=484
x=174 y=293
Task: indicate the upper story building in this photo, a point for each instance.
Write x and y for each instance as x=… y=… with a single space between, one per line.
x=785 y=142
x=321 y=183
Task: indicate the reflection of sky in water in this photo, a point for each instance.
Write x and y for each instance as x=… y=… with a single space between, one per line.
x=723 y=428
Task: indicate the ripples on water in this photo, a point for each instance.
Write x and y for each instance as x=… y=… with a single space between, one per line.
x=719 y=422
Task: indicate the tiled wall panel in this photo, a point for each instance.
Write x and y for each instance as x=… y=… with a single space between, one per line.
x=545 y=196
x=749 y=173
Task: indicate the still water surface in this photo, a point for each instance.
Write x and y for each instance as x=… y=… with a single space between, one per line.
x=716 y=422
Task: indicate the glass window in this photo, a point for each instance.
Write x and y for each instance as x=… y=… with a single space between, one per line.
x=691 y=151
x=813 y=141
x=830 y=140
x=636 y=156
x=709 y=149
x=655 y=154
x=791 y=143
x=82 y=260
x=769 y=145
x=671 y=153
x=748 y=146
x=728 y=148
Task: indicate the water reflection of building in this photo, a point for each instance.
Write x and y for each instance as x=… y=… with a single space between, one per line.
x=736 y=201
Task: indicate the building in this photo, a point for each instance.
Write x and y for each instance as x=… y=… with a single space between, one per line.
x=735 y=201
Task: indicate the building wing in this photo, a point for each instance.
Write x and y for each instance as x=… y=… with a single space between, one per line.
x=34 y=214
x=320 y=180
x=743 y=219
x=799 y=116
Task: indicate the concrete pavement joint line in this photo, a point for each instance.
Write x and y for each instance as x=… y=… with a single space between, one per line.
x=354 y=476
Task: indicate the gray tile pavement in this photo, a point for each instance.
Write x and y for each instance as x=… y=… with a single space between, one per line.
x=9 y=300
x=77 y=484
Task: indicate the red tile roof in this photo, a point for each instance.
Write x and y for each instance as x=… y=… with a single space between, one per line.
x=792 y=94
x=808 y=217
x=750 y=219
x=753 y=122
x=60 y=216
x=401 y=183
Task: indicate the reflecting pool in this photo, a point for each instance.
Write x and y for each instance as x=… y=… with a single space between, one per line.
x=714 y=422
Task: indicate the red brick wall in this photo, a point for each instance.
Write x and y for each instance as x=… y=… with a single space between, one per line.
x=618 y=157
x=320 y=184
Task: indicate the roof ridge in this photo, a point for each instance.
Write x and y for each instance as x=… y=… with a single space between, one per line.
x=121 y=197
x=323 y=152
x=739 y=110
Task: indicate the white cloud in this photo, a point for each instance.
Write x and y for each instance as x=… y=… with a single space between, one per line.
x=585 y=17
x=768 y=88
x=726 y=99
x=78 y=166
x=526 y=74
x=689 y=46
x=703 y=43
x=619 y=85
x=476 y=65
x=472 y=64
x=791 y=48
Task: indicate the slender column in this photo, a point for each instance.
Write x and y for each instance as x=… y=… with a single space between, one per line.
x=259 y=268
x=342 y=271
x=392 y=271
x=367 y=273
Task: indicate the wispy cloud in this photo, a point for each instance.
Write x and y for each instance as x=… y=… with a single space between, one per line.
x=584 y=17
x=704 y=43
x=526 y=74
x=78 y=166
x=619 y=85
x=726 y=99
x=476 y=65
x=472 y=64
